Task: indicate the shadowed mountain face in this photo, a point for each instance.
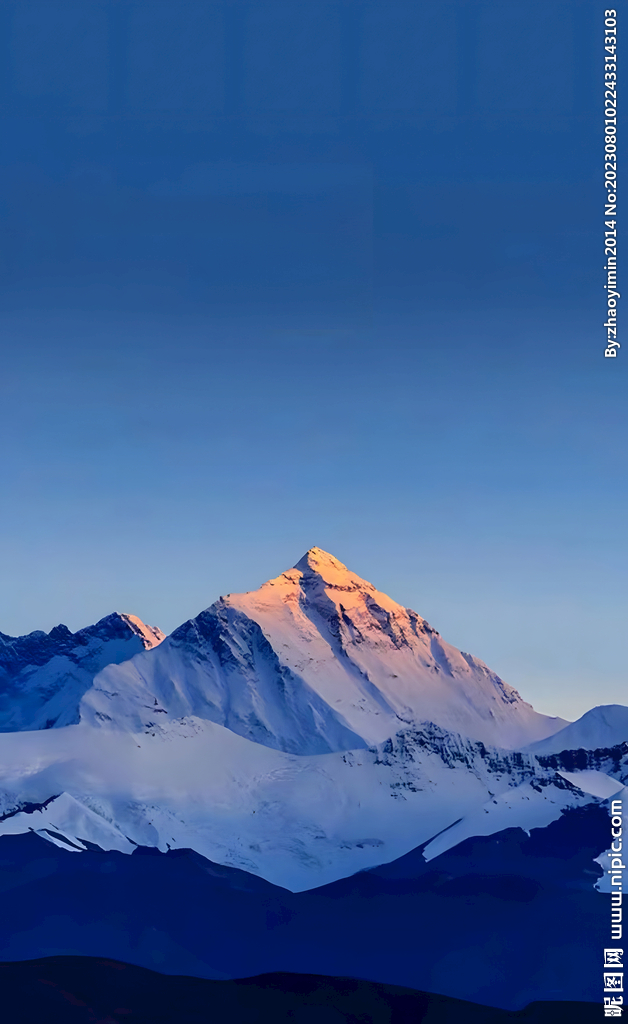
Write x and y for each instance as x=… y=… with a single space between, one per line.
x=316 y=660
x=44 y=675
x=501 y=920
x=79 y=990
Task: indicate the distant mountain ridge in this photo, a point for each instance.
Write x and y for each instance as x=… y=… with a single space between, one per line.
x=44 y=675
x=603 y=726
x=316 y=660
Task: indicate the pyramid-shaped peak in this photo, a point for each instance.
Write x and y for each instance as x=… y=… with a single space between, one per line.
x=122 y=625
x=332 y=572
x=316 y=560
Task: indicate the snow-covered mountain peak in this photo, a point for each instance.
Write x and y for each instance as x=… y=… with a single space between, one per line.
x=604 y=726
x=149 y=635
x=330 y=571
x=316 y=660
x=44 y=675
x=317 y=570
x=116 y=625
x=320 y=584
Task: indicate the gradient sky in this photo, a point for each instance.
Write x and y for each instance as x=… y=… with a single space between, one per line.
x=283 y=274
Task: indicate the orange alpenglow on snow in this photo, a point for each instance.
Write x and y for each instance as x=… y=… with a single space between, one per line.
x=315 y=660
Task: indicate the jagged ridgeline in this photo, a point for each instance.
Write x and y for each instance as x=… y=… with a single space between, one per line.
x=43 y=676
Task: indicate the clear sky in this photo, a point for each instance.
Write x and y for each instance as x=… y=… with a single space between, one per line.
x=283 y=274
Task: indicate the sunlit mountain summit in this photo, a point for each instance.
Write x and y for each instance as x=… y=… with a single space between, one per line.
x=316 y=660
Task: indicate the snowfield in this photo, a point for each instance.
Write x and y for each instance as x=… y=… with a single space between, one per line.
x=298 y=821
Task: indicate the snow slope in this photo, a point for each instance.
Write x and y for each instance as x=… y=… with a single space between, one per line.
x=314 y=661
x=299 y=821
x=44 y=675
x=527 y=806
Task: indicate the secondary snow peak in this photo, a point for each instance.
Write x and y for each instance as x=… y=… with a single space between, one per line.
x=150 y=636
x=43 y=676
x=604 y=726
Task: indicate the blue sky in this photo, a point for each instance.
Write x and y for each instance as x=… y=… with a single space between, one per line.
x=284 y=274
